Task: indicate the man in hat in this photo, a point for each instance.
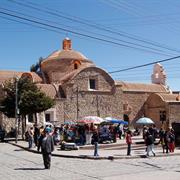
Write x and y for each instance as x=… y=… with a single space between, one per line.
x=47 y=147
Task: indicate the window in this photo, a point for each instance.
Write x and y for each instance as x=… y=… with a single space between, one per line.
x=30 y=118
x=162 y=115
x=62 y=93
x=92 y=83
x=47 y=117
x=50 y=115
x=75 y=66
x=126 y=117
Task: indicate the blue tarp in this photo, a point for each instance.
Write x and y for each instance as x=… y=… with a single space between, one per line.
x=117 y=121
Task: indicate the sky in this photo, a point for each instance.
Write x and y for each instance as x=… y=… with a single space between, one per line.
x=114 y=34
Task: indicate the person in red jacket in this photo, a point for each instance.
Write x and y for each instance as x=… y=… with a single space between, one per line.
x=129 y=142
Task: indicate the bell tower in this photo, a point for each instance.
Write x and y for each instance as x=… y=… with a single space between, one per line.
x=67 y=44
x=159 y=75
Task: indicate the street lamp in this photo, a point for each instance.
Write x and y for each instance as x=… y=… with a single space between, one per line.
x=16 y=108
x=77 y=103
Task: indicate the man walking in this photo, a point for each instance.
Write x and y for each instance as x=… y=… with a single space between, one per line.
x=47 y=147
x=149 y=139
x=31 y=137
x=95 y=140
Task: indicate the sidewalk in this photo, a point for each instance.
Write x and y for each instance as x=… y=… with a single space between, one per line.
x=110 y=151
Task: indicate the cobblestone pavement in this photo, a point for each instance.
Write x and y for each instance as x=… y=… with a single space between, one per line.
x=19 y=164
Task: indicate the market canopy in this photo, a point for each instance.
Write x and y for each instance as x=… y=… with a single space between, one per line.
x=70 y=122
x=115 y=121
x=90 y=119
x=144 y=121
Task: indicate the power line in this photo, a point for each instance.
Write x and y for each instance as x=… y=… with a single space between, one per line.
x=90 y=32
x=80 y=34
x=85 y=22
x=135 y=67
x=152 y=43
x=29 y=24
x=143 y=65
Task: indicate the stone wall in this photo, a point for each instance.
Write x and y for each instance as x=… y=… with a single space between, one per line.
x=135 y=101
x=81 y=101
x=174 y=112
x=153 y=106
x=7 y=123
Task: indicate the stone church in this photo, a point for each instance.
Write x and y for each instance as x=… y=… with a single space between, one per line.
x=80 y=88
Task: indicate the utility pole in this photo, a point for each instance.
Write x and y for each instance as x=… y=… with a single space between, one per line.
x=16 y=109
x=97 y=105
x=77 y=102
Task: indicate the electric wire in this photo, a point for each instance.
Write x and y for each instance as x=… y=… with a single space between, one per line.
x=143 y=65
x=159 y=44
x=57 y=14
x=110 y=37
x=78 y=33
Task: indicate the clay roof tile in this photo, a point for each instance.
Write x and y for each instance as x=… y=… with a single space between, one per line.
x=138 y=87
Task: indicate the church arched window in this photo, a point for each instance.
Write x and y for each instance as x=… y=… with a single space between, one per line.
x=75 y=66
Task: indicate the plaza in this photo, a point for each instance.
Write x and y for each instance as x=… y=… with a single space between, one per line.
x=17 y=163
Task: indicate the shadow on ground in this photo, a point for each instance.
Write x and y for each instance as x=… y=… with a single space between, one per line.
x=29 y=169
x=19 y=150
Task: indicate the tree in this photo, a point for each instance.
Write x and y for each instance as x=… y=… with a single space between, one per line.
x=31 y=99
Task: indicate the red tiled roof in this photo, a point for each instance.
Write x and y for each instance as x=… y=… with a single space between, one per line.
x=169 y=97
x=65 y=54
x=35 y=77
x=48 y=89
x=6 y=75
x=138 y=87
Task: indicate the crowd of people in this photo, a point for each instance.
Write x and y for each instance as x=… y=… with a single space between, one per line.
x=166 y=139
x=43 y=139
x=81 y=134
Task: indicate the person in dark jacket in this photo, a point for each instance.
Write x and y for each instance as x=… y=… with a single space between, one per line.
x=149 y=139
x=95 y=140
x=47 y=147
x=36 y=135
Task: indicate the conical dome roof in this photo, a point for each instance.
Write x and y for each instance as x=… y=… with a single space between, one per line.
x=66 y=52
x=64 y=61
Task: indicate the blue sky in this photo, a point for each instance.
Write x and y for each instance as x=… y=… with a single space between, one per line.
x=130 y=33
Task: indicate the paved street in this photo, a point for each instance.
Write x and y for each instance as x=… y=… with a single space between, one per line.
x=16 y=163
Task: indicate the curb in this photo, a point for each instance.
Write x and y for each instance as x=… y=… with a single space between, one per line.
x=98 y=157
x=64 y=156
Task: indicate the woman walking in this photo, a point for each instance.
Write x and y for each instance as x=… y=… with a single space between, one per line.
x=129 y=142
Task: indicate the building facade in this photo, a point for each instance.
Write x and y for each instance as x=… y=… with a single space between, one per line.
x=80 y=88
